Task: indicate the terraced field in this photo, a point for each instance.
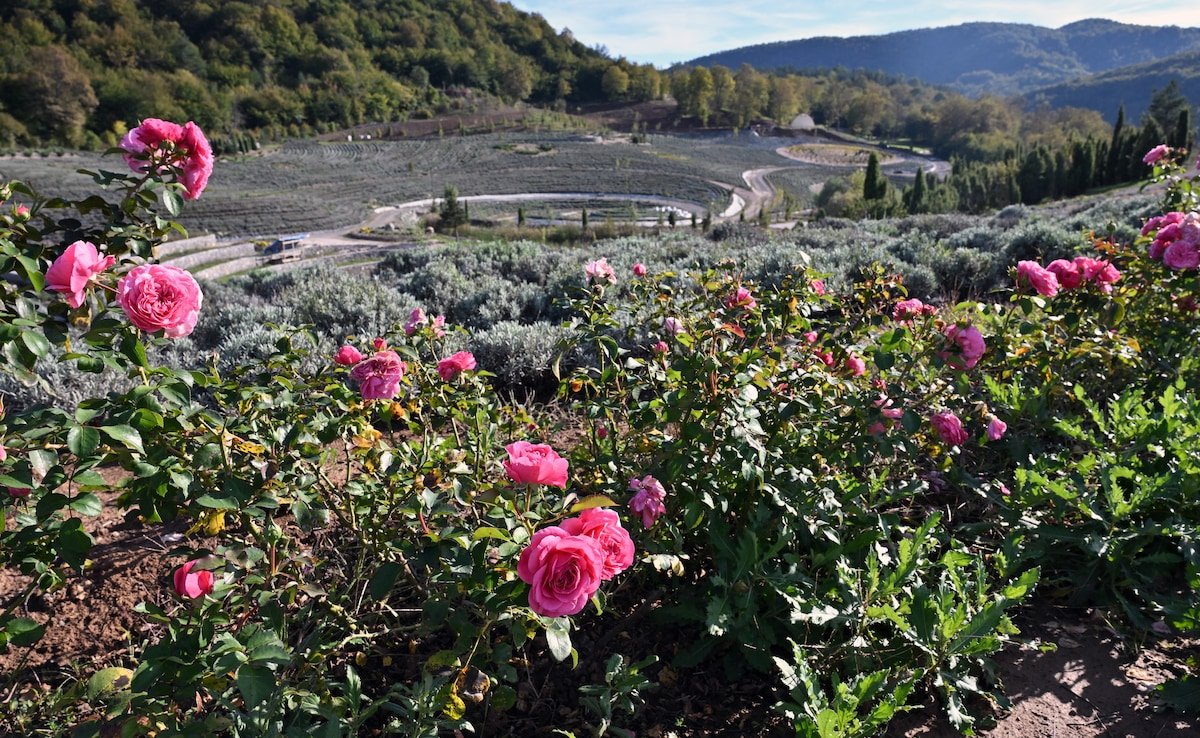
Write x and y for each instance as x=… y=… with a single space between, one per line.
x=312 y=186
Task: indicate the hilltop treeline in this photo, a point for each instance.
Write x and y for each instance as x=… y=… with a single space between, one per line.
x=79 y=73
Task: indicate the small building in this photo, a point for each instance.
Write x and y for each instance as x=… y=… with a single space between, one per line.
x=285 y=248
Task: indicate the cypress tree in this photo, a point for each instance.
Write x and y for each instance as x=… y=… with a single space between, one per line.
x=1114 y=170
x=874 y=186
x=1181 y=138
x=915 y=197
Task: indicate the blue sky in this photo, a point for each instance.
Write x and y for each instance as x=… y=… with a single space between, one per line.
x=666 y=31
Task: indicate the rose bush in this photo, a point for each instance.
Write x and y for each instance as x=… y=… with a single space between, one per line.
x=399 y=552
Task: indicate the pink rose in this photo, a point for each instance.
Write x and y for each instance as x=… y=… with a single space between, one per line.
x=599 y=270
x=908 y=309
x=348 y=356
x=193 y=584
x=1066 y=272
x=530 y=463
x=648 y=499
x=826 y=358
x=949 y=428
x=856 y=366
x=741 y=298
x=996 y=428
x=1042 y=280
x=884 y=403
x=562 y=570
x=811 y=336
x=1153 y=155
x=613 y=541
x=438 y=326
x=455 y=364
x=22 y=212
x=416 y=319
x=379 y=376
x=379 y=343
x=673 y=326
x=74 y=269
x=877 y=428
x=639 y=269
x=1160 y=221
x=160 y=297
x=817 y=286
x=157 y=144
x=968 y=346
x=601 y=432
x=660 y=348
x=1182 y=255
x=3 y=454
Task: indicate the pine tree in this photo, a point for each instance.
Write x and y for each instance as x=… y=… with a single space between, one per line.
x=451 y=213
x=520 y=217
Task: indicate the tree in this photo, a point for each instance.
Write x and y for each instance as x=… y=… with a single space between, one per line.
x=53 y=94
x=874 y=184
x=615 y=83
x=914 y=198
x=723 y=87
x=451 y=215
x=700 y=94
x=1114 y=170
x=1165 y=105
x=1181 y=137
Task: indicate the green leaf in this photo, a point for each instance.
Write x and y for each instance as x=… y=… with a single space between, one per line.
x=23 y=631
x=256 y=683
x=126 y=435
x=218 y=503
x=1183 y=694
x=73 y=543
x=593 y=501
x=42 y=461
x=36 y=342
x=133 y=350
x=83 y=440
x=558 y=637
x=87 y=504
x=489 y=532
x=384 y=579
x=32 y=272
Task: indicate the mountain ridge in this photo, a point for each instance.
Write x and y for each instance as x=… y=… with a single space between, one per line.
x=978 y=57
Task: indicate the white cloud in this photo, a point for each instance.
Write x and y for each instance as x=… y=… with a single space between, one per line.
x=665 y=31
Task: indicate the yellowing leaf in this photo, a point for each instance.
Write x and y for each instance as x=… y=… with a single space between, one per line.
x=587 y=503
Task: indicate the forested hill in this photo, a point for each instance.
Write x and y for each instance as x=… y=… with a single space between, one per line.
x=75 y=71
x=976 y=58
x=1133 y=85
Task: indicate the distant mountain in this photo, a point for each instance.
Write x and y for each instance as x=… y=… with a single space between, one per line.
x=977 y=58
x=1131 y=85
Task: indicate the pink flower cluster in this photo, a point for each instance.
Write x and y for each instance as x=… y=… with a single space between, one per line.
x=599 y=271
x=1154 y=155
x=157 y=145
x=535 y=463
x=648 y=499
x=455 y=364
x=1033 y=274
x=741 y=298
x=75 y=268
x=910 y=309
x=379 y=376
x=565 y=564
x=193 y=584
x=966 y=346
x=160 y=297
x=1083 y=270
x=1176 y=239
x=418 y=320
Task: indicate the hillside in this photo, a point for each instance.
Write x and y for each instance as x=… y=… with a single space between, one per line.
x=1132 y=85
x=79 y=73
x=997 y=58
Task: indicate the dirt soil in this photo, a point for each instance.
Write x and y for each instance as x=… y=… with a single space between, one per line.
x=1092 y=685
